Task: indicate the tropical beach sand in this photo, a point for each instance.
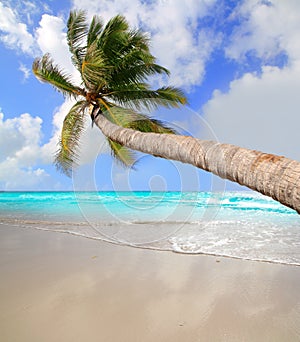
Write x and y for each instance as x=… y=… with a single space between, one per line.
x=59 y=287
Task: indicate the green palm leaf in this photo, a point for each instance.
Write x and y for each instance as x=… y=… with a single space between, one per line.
x=134 y=70
x=94 y=30
x=76 y=36
x=46 y=71
x=94 y=70
x=136 y=40
x=119 y=115
x=132 y=61
x=173 y=95
x=139 y=96
x=146 y=124
x=67 y=155
x=129 y=118
x=113 y=36
x=122 y=154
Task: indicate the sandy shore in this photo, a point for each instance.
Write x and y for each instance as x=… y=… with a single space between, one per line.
x=58 y=287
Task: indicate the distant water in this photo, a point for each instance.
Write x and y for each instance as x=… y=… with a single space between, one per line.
x=242 y=225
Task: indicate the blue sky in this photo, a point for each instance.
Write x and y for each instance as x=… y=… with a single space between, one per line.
x=237 y=61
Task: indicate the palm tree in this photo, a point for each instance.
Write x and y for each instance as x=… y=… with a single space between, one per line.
x=114 y=61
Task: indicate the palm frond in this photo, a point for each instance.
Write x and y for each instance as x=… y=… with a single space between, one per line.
x=95 y=30
x=129 y=41
x=94 y=70
x=132 y=69
x=129 y=118
x=76 y=36
x=139 y=96
x=146 y=124
x=172 y=94
x=138 y=39
x=46 y=71
x=122 y=154
x=130 y=58
x=118 y=115
x=112 y=38
x=67 y=155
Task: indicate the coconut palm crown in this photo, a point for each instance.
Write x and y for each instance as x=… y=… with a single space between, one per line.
x=114 y=62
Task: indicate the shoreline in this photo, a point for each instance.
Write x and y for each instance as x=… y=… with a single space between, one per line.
x=60 y=287
x=26 y=226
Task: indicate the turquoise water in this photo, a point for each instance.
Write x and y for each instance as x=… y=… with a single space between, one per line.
x=241 y=225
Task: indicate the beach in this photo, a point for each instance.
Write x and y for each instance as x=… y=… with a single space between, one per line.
x=59 y=287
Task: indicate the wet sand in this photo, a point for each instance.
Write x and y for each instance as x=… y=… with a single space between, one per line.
x=59 y=287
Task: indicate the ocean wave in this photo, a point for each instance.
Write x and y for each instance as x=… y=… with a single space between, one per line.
x=237 y=225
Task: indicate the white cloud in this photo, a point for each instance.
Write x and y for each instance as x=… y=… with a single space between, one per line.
x=23 y=157
x=51 y=38
x=93 y=143
x=20 y=150
x=48 y=149
x=267 y=28
x=261 y=111
x=172 y=26
x=26 y=72
x=28 y=10
x=13 y=33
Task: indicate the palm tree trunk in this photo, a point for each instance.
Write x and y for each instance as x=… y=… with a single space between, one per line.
x=271 y=175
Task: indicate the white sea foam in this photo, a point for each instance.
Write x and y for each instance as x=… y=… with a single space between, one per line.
x=239 y=225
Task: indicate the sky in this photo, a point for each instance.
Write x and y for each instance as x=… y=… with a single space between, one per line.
x=238 y=62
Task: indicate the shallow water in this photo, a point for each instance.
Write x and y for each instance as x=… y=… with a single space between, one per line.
x=241 y=225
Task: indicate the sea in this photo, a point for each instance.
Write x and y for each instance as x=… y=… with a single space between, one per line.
x=243 y=225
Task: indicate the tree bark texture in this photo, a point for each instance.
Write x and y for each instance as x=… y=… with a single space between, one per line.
x=274 y=176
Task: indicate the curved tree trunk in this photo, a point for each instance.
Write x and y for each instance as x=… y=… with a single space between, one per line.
x=271 y=175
